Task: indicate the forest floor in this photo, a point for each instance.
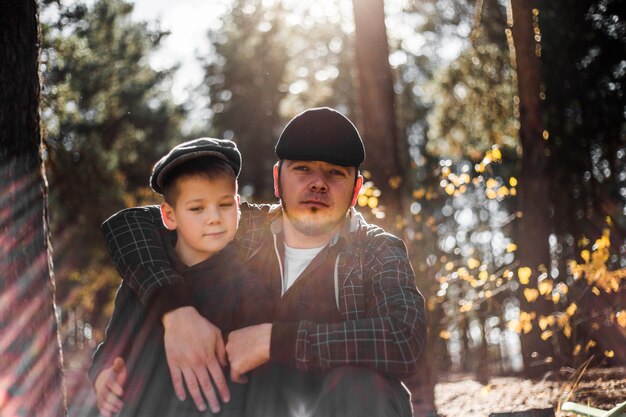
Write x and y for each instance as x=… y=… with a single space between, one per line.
x=456 y=396
x=602 y=388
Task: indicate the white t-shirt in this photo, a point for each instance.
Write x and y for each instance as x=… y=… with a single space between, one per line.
x=296 y=261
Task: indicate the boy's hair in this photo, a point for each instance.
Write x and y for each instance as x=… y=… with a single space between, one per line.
x=208 y=167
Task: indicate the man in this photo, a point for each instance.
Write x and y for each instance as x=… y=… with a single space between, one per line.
x=349 y=320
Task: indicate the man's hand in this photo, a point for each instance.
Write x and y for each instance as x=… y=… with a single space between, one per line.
x=195 y=349
x=109 y=388
x=247 y=349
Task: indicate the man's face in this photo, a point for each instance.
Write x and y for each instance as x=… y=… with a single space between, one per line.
x=205 y=216
x=316 y=195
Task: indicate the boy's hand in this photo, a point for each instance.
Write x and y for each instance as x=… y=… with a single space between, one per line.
x=195 y=349
x=247 y=349
x=109 y=388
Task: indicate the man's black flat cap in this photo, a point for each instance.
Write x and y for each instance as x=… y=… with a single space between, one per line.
x=186 y=151
x=321 y=134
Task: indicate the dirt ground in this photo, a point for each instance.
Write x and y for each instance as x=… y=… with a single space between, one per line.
x=463 y=396
x=457 y=396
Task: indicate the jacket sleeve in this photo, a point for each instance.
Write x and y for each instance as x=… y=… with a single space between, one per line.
x=122 y=326
x=134 y=239
x=255 y=304
x=388 y=334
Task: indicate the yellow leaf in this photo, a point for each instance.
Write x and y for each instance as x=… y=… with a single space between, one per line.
x=545 y=286
x=449 y=189
x=419 y=194
x=585 y=255
x=596 y=291
x=571 y=309
x=546 y=335
x=524 y=324
x=480 y=168
x=372 y=202
x=621 y=318
x=543 y=322
x=591 y=343
x=491 y=194
x=609 y=353
x=466 y=307
x=511 y=247
x=577 y=349
x=496 y=154
x=363 y=200
x=513 y=181
x=515 y=325
x=444 y=334
x=513 y=191
x=449 y=266
x=483 y=275
x=503 y=191
x=492 y=183
x=562 y=288
x=604 y=241
x=473 y=263
x=394 y=182
x=556 y=297
x=567 y=331
x=527 y=327
x=523 y=274
x=531 y=294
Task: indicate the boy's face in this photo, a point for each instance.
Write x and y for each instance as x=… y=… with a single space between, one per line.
x=205 y=216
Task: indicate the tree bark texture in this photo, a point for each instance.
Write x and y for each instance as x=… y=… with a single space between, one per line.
x=383 y=150
x=534 y=226
x=376 y=104
x=31 y=382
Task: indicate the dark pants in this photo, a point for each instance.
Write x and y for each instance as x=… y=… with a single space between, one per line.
x=347 y=391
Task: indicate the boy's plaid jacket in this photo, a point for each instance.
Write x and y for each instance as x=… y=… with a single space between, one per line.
x=384 y=325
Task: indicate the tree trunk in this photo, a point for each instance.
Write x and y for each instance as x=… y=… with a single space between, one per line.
x=534 y=225
x=376 y=104
x=383 y=149
x=30 y=351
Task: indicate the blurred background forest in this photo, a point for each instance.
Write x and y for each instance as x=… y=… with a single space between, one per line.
x=514 y=216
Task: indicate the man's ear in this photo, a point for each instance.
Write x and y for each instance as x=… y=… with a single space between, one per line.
x=238 y=198
x=276 y=174
x=357 y=190
x=168 y=216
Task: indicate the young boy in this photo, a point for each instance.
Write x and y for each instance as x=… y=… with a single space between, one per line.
x=198 y=180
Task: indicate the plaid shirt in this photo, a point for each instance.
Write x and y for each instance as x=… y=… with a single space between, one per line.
x=384 y=326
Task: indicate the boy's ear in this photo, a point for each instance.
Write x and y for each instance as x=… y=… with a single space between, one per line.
x=357 y=189
x=168 y=216
x=276 y=189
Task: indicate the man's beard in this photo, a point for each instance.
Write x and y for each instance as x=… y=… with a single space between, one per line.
x=312 y=227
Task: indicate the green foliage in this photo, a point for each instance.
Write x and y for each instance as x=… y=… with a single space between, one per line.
x=107 y=116
x=473 y=105
x=473 y=97
x=244 y=87
x=266 y=70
